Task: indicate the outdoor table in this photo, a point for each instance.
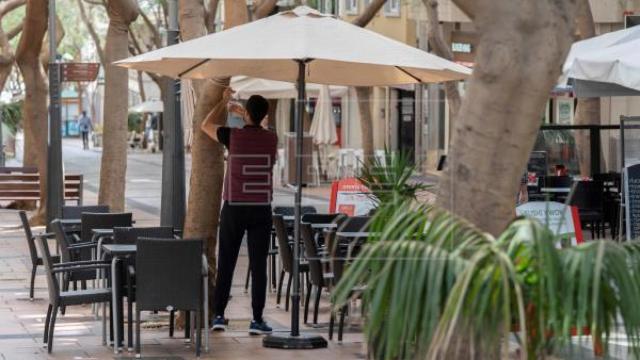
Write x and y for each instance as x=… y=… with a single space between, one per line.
x=116 y=251
x=322 y=226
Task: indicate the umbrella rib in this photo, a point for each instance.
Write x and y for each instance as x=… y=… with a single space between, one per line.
x=193 y=67
x=408 y=73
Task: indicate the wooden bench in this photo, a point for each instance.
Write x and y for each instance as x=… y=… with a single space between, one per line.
x=23 y=184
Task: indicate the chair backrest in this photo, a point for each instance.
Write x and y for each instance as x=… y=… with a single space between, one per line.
x=588 y=195
x=52 y=280
x=63 y=241
x=290 y=210
x=283 y=243
x=557 y=181
x=355 y=224
x=75 y=212
x=129 y=235
x=311 y=253
x=29 y=235
x=92 y=221
x=321 y=218
x=169 y=274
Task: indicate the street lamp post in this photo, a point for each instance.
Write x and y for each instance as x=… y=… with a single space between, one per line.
x=172 y=207
x=54 y=139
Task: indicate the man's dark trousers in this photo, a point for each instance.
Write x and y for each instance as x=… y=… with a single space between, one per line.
x=235 y=219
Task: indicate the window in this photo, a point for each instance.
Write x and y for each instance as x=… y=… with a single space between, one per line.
x=392 y=8
x=351 y=7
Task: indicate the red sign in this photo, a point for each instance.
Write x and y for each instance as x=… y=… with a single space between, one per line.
x=349 y=196
x=79 y=71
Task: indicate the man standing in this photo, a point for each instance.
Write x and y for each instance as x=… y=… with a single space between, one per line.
x=85 y=125
x=247 y=194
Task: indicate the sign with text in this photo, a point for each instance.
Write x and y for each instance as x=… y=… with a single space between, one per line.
x=561 y=219
x=349 y=196
x=79 y=71
x=632 y=200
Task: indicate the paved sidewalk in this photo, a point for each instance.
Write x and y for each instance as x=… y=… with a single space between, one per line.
x=78 y=333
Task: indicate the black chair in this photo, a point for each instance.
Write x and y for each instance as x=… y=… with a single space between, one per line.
x=33 y=253
x=71 y=251
x=315 y=218
x=286 y=256
x=59 y=299
x=588 y=197
x=91 y=221
x=315 y=275
x=75 y=212
x=169 y=276
x=130 y=235
x=273 y=251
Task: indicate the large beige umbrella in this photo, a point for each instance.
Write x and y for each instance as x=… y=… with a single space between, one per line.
x=300 y=45
x=149 y=106
x=245 y=86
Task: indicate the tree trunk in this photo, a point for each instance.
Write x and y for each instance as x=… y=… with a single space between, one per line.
x=363 y=93
x=113 y=165
x=499 y=118
x=34 y=111
x=363 y=96
x=7 y=56
x=441 y=47
x=207 y=159
x=588 y=109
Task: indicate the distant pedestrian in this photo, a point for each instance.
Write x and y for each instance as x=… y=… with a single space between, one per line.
x=85 y=125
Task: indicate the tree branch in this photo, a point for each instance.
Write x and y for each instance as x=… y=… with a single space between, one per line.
x=14 y=31
x=10 y=5
x=157 y=40
x=210 y=16
x=368 y=13
x=92 y=31
x=264 y=8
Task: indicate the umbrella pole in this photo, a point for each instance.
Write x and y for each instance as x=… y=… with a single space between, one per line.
x=295 y=340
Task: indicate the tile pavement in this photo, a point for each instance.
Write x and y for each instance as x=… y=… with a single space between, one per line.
x=78 y=333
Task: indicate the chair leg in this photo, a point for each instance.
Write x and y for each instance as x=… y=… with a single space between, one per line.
x=130 y=319
x=138 y=355
x=279 y=293
x=33 y=279
x=46 y=324
x=286 y=303
x=246 y=281
x=306 y=302
x=331 y=321
x=198 y=333
x=172 y=314
x=187 y=324
x=52 y=326
x=317 y=304
x=341 y=323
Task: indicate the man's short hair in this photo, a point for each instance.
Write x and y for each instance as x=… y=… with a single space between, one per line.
x=257 y=108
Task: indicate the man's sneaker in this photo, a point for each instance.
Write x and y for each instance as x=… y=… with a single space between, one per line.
x=219 y=324
x=259 y=328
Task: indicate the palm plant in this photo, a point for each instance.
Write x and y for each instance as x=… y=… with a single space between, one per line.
x=388 y=177
x=435 y=284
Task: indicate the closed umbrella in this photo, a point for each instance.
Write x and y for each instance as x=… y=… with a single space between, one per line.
x=300 y=45
x=323 y=126
x=605 y=65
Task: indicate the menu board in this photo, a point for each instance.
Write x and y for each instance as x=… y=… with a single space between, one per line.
x=561 y=219
x=632 y=200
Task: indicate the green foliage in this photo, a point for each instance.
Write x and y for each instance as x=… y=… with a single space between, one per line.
x=134 y=121
x=388 y=178
x=435 y=284
x=12 y=115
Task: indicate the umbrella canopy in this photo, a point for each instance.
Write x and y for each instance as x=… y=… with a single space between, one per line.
x=338 y=53
x=149 y=106
x=323 y=127
x=605 y=65
x=271 y=89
